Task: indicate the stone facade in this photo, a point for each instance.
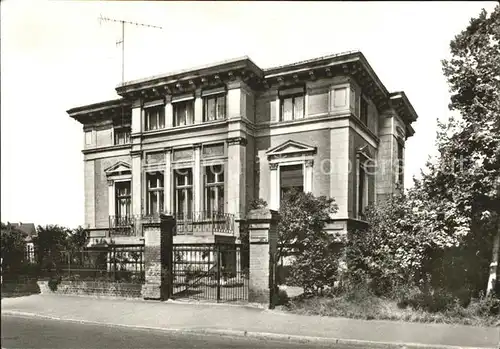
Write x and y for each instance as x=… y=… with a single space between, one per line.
x=328 y=117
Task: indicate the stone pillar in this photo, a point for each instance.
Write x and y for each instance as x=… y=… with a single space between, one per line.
x=167 y=194
x=169 y=112
x=198 y=108
x=263 y=237
x=158 y=246
x=136 y=117
x=197 y=179
x=136 y=184
x=274 y=186
x=236 y=178
x=308 y=176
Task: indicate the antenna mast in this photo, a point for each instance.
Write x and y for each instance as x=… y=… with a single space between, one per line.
x=122 y=41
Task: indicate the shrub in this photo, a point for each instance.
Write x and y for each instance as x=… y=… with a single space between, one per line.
x=54 y=282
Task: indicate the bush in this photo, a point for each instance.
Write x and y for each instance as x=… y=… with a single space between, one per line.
x=54 y=282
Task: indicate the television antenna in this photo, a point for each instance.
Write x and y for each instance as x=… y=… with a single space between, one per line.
x=122 y=40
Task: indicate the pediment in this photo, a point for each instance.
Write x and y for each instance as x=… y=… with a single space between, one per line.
x=118 y=168
x=365 y=152
x=291 y=147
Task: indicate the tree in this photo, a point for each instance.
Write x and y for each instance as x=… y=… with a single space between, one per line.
x=473 y=74
x=303 y=217
x=12 y=248
x=50 y=241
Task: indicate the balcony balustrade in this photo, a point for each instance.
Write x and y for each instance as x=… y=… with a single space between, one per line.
x=187 y=223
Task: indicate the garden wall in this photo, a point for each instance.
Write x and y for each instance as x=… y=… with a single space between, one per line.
x=94 y=288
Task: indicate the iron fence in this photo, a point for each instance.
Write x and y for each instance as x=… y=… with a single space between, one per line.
x=210 y=271
x=123 y=263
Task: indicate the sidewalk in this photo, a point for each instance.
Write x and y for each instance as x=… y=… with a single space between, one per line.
x=251 y=321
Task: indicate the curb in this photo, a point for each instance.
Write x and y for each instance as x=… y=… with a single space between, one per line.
x=256 y=335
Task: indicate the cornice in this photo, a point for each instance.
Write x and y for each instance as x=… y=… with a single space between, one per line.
x=106 y=148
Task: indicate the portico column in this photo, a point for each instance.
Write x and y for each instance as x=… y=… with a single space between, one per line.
x=136 y=184
x=167 y=195
x=197 y=179
x=111 y=198
x=236 y=178
x=308 y=176
x=274 y=194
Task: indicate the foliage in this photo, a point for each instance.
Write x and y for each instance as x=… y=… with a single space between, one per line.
x=439 y=235
x=303 y=217
x=472 y=142
x=257 y=204
x=12 y=248
x=50 y=241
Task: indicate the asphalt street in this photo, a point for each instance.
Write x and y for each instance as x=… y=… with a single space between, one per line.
x=32 y=332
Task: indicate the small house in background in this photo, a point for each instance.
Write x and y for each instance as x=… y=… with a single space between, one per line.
x=29 y=232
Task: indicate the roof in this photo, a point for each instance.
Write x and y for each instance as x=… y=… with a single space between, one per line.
x=26 y=228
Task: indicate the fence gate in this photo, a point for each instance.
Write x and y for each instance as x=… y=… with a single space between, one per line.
x=216 y=272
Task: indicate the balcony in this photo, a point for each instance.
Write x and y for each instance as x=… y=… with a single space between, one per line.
x=188 y=223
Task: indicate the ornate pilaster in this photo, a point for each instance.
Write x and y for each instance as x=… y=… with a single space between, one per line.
x=274 y=186
x=308 y=176
x=197 y=178
x=167 y=179
x=236 y=176
x=136 y=182
x=111 y=198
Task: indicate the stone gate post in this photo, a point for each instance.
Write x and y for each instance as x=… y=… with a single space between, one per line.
x=263 y=238
x=157 y=250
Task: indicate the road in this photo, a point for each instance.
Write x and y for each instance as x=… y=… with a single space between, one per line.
x=31 y=332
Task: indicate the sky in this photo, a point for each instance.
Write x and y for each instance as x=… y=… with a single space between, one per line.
x=56 y=55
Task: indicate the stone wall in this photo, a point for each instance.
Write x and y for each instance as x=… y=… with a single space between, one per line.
x=94 y=288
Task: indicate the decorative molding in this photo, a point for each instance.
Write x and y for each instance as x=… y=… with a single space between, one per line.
x=290 y=149
x=364 y=152
x=196 y=145
x=273 y=166
x=110 y=183
x=117 y=169
x=237 y=141
x=309 y=162
x=168 y=149
x=136 y=153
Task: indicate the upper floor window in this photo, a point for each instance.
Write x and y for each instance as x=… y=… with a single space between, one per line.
x=155 y=117
x=363 y=111
x=154 y=182
x=122 y=136
x=292 y=107
x=183 y=113
x=214 y=107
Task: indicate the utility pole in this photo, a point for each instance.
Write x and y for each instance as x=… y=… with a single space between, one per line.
x=122 y=41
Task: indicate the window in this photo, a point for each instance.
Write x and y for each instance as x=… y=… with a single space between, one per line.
x=122 y=200
x=214 y=107
x=155 y=117
x=122 y=136
x=291 y=177
x=183 y=113
x=362 y=191
x=363 y=111
x=400 y=166
x=292 y=107
x=183 y=193
x=214 y=189
x=155 y=193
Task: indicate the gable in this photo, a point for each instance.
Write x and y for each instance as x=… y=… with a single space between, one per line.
x=291 y=147
x=119 y=168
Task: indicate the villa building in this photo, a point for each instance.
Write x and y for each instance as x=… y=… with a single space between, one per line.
x=202 y=143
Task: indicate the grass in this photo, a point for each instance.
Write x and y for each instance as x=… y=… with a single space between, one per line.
x=361 y=304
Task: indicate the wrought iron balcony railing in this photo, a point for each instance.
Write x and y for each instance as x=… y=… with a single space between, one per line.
x=187 y=223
